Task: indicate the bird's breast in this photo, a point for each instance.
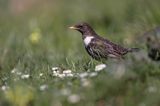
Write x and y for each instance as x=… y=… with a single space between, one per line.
x=87 y=40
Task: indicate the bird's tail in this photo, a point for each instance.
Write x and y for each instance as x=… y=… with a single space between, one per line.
x=133 y=49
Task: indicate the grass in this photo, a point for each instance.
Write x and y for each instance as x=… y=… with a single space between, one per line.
x=36 y=39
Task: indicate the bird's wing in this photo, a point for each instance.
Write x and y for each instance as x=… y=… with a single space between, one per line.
x=115 y=48
x=120 y=50
x=104 y=49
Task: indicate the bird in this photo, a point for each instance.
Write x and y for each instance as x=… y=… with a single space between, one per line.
x=100 y=48
x=152 y=40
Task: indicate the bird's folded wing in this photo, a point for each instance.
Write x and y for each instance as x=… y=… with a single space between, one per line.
x=120 y=50
x=104 y=49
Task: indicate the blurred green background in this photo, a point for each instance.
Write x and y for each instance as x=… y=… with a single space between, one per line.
x=34 y=37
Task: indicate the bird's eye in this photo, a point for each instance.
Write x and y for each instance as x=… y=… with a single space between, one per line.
x=80 y=26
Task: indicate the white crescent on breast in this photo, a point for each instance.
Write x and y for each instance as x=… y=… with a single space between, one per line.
x=87 y=40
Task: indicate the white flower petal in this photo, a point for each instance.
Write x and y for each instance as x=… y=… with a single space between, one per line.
x=25 y=76
x=14 y=70
x=55 y=68
x=69 y=75
x=18 y=73
x=93 y=74
x=74 y=98
x=43 y=87
x=41 y=74
x=67 y=71
x=55 y=74
x=82 y=75
x=4 y=87
x=100 y=67
x=61 y=75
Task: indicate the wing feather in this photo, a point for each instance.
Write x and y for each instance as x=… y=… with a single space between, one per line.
x=100 y=49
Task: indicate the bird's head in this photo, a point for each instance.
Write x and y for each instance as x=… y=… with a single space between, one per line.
x=84 y=28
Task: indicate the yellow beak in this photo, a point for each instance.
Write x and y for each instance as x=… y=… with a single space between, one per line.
x=72 y=27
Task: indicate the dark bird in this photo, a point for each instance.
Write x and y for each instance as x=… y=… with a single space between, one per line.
x=152 y=39
x=154 y=52
x=98 y=47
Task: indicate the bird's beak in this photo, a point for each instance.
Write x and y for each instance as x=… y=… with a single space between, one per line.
x=73 y=27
